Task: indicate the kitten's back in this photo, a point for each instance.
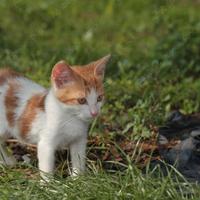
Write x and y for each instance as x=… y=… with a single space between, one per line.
x=6 y=74
x=15 y=91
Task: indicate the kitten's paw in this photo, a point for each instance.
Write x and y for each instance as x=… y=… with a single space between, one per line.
x=76 y=173
x=46 y=178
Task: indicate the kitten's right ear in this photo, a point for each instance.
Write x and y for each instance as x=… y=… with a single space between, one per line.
x=62 y=74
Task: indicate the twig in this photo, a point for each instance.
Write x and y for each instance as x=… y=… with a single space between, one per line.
x=33 y=146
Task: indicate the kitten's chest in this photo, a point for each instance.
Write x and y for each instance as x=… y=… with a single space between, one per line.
x=71 y=130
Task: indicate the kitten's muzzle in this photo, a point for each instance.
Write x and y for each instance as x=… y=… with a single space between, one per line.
x=94 y=113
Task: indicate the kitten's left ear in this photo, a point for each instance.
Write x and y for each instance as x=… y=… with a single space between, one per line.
x=100 y=66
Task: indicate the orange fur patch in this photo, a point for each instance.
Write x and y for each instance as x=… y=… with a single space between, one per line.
x=35 y=103
x=11 y=99
x=11 y=102
x=6 y=73
x=90 y=80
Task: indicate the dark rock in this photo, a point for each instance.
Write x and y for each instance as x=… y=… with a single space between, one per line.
x=179 y=144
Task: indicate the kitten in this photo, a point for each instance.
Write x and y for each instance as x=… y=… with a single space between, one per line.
x=52 y=118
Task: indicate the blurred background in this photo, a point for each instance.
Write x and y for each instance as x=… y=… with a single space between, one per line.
x=155 y=47
x=154 y=69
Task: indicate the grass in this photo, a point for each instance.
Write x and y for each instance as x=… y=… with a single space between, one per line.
x=155 y=47
x=130 y=184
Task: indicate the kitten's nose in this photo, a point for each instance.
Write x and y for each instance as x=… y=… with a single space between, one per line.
x=94 y=113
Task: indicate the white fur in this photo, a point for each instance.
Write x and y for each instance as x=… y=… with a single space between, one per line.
x=3 y=121
x=60 y=125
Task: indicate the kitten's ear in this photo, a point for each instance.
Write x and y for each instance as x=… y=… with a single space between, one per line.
x=62 y=74
x=100 y=66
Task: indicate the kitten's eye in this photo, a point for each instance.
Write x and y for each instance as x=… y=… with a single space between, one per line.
x=99 y=98
x=82 y=101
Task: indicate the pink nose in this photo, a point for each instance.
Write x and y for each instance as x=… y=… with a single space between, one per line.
x=94 y=113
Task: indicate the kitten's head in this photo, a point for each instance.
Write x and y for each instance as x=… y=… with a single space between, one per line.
x=80 y=88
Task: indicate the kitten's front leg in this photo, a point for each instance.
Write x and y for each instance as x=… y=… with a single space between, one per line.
x=78 y=155
x=46 y=157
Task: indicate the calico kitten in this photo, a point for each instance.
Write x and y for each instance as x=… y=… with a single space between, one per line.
x=53 y=118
